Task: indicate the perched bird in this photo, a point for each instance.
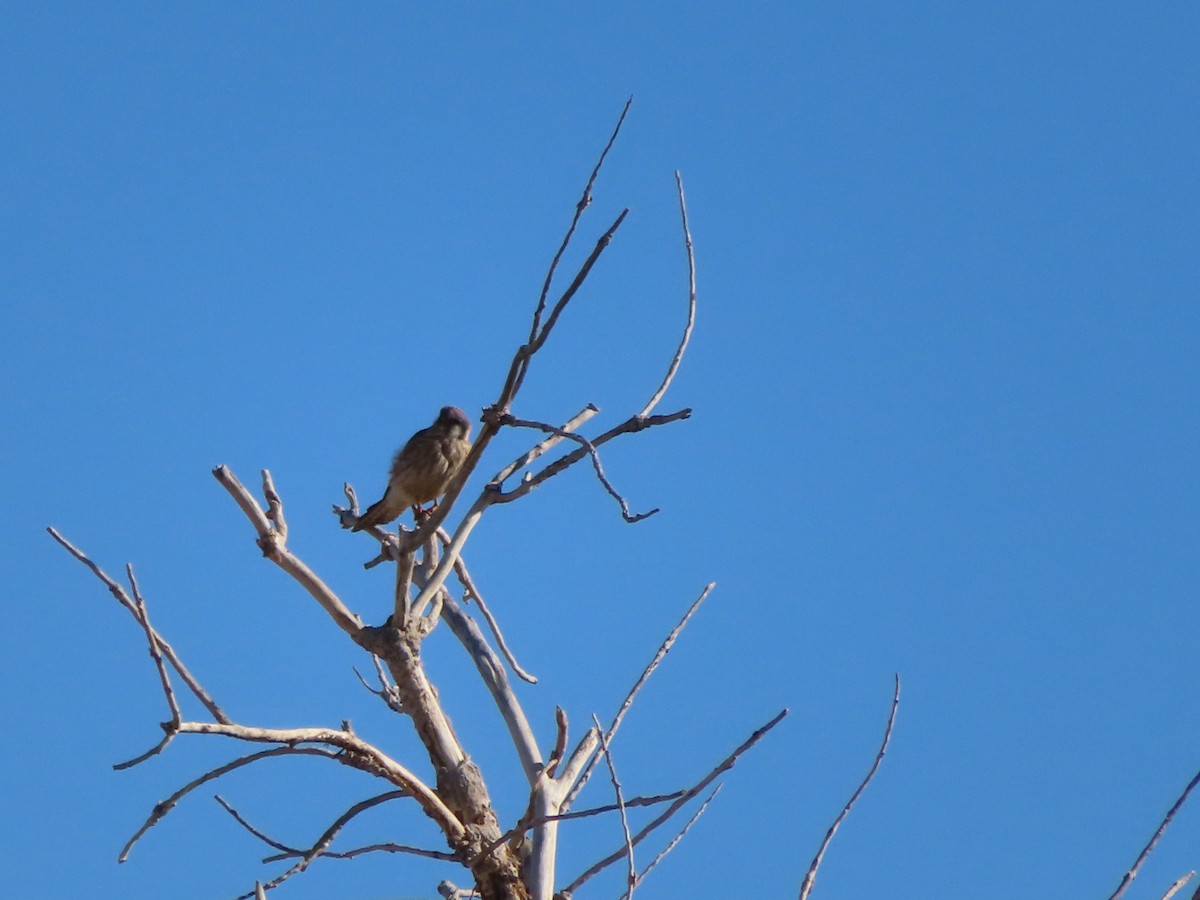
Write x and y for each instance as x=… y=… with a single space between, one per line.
x=423 y=468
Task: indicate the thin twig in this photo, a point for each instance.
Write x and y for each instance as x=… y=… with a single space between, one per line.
x=584 y=202
x=524 y=825
x=321 y=846
x=386 y=690
x=165 y=806
x=680 y=835
x=723 y=766
x=807 y=886
x=632 y=425
x=355 y=752
x=662 y=651
x=508 y=394
x=143 y=617
x=1178 y=885
x=691 y=317
x=631 y=878
x=266 y=839
x=601 y=245
x=164 y=647
x=472 y=593
x=273 y=543
x=595 y=457
x=387 y=847
x=537 y=450
x=1132 y=873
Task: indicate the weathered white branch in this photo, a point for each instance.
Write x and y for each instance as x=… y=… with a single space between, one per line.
x=679 y=836
x=663 y=649
x=1142 y=857
x=321 y=846
x=472 y=594
x=807 y=886
x=164 y=646
x=143 y=617
x=593 y=454
x=631 y=878
x=691 y=317
x=632 y=425
x=453 y=551
x=491 y=670
x=361 y=755
x=273 y=542
x=687 y=795
x=165 y=806
x=540 y=448
x=1178 y=885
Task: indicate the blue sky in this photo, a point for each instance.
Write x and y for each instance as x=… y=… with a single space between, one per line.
x=945 y=420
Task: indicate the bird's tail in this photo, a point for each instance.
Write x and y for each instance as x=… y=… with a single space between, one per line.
x=375 y=515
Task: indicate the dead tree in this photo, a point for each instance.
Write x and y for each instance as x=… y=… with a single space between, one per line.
x=504 y=860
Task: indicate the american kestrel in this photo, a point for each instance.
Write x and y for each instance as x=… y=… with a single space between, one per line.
x=423 y=468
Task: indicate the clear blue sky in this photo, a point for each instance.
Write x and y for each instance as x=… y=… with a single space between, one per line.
x=944 y=378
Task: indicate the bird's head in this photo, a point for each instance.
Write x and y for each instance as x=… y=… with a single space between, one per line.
x=454 y=422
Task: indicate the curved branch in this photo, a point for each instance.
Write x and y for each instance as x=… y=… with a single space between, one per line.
x=464 y=578
x=321 y=846
x=358 y=753
x=807 y=886
x=590 y=448
x=691 y=317
x=165 y=806
x=631 y=425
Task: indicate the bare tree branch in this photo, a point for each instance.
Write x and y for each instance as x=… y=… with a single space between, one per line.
x=508 y=394
x=321 y=846
x=164 y=647
x=520 y=367
x=404 y=577
x=631 y=878
x=525 y=825
x=143 y=617
x=584 y=202
x=662 y=651
x=724 y=766
x=631 y=425
x=272 y=541
x=165 y=806
x=472 y=593
x=691 y=317
x=270 y=842
x=1154 y=839
x=592 y=453
x=1178 y=885
x=356 y=753
x=537 y=450
x=674 y=842
x=807 y=886
x=491 y=670
x=386 y=690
